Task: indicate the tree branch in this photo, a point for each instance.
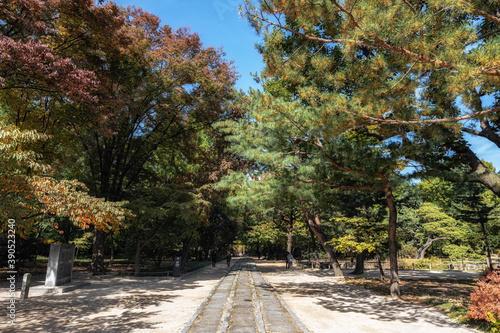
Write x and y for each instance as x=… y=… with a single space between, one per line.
x=406 y=74
x=424 y=121
x=33 y=216
x=410 y=6
x=421 y=58
x=342 y=187
x=487 y=16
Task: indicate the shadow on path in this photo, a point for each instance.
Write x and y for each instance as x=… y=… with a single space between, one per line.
x=346 y=302
x=109 y=304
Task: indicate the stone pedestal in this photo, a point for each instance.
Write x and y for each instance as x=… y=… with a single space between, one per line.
x=60 y=265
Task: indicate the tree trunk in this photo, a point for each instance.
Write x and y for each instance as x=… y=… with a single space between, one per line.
x=421 y=251
x=186 y=244
x=97 y=265
x=314 y=247
x=289 y=242
x=489 y=263
x=393 y=251
x=481 y=173
x=140 y=245
x=159 y=258
x=379 y=262
x=315 y=226
x=360 y=263
x=137 y=258
x=112 y=249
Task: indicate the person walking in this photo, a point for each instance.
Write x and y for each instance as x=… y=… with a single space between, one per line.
x=214 y=258
x=289 y=260
x=228 y=258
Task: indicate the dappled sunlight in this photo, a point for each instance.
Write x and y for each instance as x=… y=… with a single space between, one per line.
x=327 y=300
x=115 y=303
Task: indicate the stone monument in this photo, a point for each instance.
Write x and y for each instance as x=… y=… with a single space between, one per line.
x=177 y=267
x=60 y=265
x=58 y=278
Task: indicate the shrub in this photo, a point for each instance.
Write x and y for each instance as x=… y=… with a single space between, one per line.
x=434 y=261
x=408 y=251
x=485 y=300
x=405 y=264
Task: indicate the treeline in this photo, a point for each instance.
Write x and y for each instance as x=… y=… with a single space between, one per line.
x=106 y=130
x=458 y=221
x=358 y=95
x=130 y=133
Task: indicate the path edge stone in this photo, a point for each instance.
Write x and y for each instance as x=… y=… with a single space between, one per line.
x=298 y=322
x=200 y=308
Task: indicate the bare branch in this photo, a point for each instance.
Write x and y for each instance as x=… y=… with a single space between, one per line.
x=471 y=131
x=33 y=215
x=295 y=52
x=348 y=13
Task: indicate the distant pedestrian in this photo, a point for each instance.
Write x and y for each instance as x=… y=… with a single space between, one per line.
x=289 y=260
x=214 y=258
x=228 y=258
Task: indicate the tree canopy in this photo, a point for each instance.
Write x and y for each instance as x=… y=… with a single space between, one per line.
x=357 y=140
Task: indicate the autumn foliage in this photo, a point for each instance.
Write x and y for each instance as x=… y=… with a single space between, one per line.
x=485 y=300
x=29 y=57
x=27 y=190
x=97 y=92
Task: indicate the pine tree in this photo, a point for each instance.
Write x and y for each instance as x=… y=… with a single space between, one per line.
x=339 y=71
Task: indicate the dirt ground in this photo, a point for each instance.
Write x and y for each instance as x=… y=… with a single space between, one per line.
x=325 y=303
x=156 y=304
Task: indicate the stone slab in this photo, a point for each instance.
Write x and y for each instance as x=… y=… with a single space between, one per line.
x=60 y=265
x=58 y=289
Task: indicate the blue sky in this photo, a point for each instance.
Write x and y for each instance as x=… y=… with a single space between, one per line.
x=218 y=24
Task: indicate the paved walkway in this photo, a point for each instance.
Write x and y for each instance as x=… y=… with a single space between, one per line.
x=243 y=301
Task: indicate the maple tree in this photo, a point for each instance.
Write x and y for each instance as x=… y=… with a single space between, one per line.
x=175 y=208
x=180 y=92
x=28 y=191
x=153 y=87
x=30 y=59
x=40 y=77
x=164 y=88
x=168 y=213
x=485 y=300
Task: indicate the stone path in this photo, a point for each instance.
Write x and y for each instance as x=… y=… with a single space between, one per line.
x=243 y=301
